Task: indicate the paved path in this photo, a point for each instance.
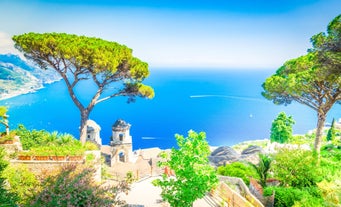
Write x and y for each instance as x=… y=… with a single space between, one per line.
x=143 y=193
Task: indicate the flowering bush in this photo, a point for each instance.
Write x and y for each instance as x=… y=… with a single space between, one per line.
x=22 y=182
x=74 y=187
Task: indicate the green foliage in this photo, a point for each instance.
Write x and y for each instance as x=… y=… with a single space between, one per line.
x=74 y=148
x=337 y=140
x=193 y=172
x=7 y=198
x=305 y=184
x=92 y=54
x=303 y=139
x=129 y=177
x=331 y=132
x=3 y=111
x=328 y=46
x=330 y=166
x=281 y=129
x=22 y=182
x=288 y=196
x=331 y=192
x=262 y=168
x=4 y=118
x=105 y=170
x=7 y=137
x=295 y=168
x=91 y=146
x=238 y=169
x=294 y=81
x=75 y=187
x=89 y=158
x=44 y=143
x=309 y=201
x=30 y=139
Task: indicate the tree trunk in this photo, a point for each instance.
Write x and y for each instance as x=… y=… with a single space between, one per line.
x=83 y=126
x=7 y=130
x=319 y=131
x=6 y=124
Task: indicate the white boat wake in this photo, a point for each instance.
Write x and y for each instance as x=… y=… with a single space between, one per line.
x=149 y=137
x=230 y=97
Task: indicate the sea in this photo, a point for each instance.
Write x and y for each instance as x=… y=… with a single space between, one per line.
x=225 y=104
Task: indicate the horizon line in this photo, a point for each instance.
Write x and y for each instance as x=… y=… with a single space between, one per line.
x=185 y=66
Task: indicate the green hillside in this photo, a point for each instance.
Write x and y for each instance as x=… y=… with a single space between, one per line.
x=19 y=77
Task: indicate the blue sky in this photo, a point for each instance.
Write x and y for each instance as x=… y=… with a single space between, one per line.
x=249 y=34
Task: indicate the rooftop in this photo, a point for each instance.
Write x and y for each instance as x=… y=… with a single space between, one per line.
x=120 y=125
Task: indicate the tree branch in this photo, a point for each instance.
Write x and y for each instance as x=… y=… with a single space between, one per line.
x=306 y=101
x=121 y=93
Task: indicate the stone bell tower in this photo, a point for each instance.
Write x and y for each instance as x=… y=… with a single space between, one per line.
x=121 y=142
x=93 y=132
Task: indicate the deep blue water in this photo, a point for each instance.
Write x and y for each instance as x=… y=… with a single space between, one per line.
x=227 y=105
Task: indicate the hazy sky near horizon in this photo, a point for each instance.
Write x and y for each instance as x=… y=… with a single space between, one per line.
x=250 y=34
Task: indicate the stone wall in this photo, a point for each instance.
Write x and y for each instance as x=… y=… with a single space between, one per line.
x=42 y=168
x=232 y=198
x=241 y=195
x=13 y=148
x=256 y=189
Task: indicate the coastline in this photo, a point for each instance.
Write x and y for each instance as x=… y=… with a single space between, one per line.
x=19 y=77
x=26 y=90
x=18 y=93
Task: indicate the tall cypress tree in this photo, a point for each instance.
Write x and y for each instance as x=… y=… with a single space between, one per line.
x=331 y=132
x=281 y=129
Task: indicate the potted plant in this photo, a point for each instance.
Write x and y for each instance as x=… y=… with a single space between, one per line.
x=41 y=153
x=75 y=153
x=59 y=154
x=24 y=155
x=7 y=139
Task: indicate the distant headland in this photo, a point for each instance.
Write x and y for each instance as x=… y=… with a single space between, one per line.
x=18 y=77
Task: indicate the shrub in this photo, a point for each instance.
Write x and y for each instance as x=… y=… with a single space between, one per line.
x=331 y=132
x=295 y=168
x=105 y=171
x=262 y=168
x=302 y=139
x=331 y=192
x=32 y=138
x=39 y=138
x=330 y=167
x=90 y=146
x=45 y=143
x=332 y=152
x=288 y=196
x=90 y=157
x=7 y=198
x=22 y=182
x=75 y=187
x=309 y=201
x=238 y=169
x=281 y=129
x=4 y=137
